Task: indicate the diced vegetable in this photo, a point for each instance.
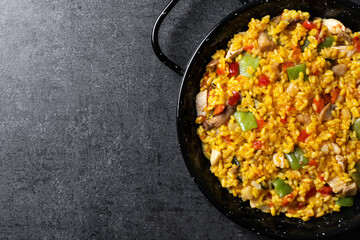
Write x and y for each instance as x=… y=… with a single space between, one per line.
x=296 y=158
x=233 y=69
x=356 y=175
x=227 y=138
x=283 y=120
x=264 y=80
x=334 y=94
x=325 y=190
x=356 y=127
x=303 y=136
x=294 y=72
x=319 y=104
x=305 y=45
x=332 y=61
x=309 y=25
x=248 y=47
x=235 y=161
x=246 y=120
x=257 y=145
x=345 y=201
x=248 y=61
x=281 y=188
x=286 y=65
x=219 y=109
x=313 y=163
x=310 y=193
x=261 y=123
x=327 y=43
x=234 y=99
x=220 y=71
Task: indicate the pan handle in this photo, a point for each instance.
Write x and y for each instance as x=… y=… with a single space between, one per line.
x=155 y=37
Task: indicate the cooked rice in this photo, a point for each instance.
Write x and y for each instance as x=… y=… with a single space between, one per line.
x=273 y=106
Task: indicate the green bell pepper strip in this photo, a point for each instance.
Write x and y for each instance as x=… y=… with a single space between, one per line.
x=248 y=61
x=345 y=201
x=296 y=158
x=294 y=72
x=356 y=175
x=356 y=127
x=281 y=188
x=235 y=161
x=305 y=45
x=246 y=120
x=327 y=43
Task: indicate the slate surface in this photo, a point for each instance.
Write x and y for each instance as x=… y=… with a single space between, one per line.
x=88 y=143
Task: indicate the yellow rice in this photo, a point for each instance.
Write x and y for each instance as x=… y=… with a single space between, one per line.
x=258 y=166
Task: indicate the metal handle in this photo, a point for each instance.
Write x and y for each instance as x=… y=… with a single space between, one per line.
x=155 y=37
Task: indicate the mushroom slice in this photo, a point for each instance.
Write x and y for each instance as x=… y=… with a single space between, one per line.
x=265 y=43
x=220 y=119
x=303 y=118
x=325 y=114
x=232 y=54
x=345 y=36
x=201 y=101
x=334 y=26
x=339 y=69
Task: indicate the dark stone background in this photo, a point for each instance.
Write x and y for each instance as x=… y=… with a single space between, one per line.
x=88 y=144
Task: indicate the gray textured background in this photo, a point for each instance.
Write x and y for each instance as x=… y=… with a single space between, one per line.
x=88 y=144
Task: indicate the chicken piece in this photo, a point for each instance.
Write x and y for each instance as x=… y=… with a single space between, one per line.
x=279 y=160
x=334 y=26
x=292 y=89
x=254 y=202
x=336 y=148
x=264 y=208
x=325 y=148
x=325 y=114
x=349 y=190
x=336 y=184
x=342 y=161
x=201 y=102
x=219 y=119
x=215 y=157
x=303 y=118
x=232 y=53
x=212 y=63
x=265 y=44
x=341 y=49
x=339 y=69
x=256 y=185
x=246 y=193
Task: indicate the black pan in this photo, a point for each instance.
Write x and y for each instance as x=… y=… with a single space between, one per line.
x=190 y=144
